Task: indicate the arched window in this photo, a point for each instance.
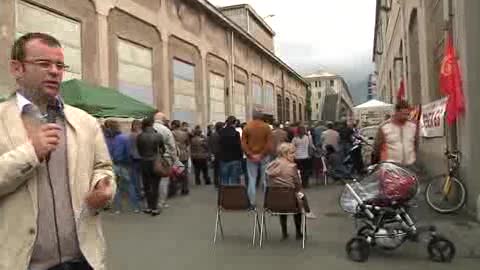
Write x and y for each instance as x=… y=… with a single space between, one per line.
x=294 y=110
x=300 y=112
x=279 y=108
x=287 y=109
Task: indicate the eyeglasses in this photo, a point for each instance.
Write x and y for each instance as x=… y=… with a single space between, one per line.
x=46 y=64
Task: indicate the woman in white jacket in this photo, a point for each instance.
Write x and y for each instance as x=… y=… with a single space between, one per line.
x=303 y=144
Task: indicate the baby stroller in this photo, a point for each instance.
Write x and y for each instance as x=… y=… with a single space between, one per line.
x=380 y=204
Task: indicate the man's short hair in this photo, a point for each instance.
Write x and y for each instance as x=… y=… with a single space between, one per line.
x=219 y=126
x=175 y=124
x=402 y=104
x=147 y=122
x=330 y=125
x=276 y=124
x=18 y=50
x=231 y=120
x=257 y=115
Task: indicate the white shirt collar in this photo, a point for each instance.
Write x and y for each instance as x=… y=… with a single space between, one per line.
x=22 y=101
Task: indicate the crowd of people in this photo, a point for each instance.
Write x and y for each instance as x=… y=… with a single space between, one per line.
x=238 y=153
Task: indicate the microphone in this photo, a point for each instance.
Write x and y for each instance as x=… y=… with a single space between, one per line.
x=53 y=110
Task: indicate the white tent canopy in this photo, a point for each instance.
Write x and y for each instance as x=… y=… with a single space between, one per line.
x=373 y=103
x=372 y=112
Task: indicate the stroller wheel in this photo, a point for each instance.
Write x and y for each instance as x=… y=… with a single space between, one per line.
x=358 y=249
x=441 y=249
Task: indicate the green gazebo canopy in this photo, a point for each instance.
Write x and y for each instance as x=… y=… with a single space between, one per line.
x=103 y=101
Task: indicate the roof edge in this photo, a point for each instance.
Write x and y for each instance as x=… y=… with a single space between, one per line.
x=215 y=11
x=255 y=14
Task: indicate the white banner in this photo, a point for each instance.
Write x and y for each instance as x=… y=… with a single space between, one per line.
x=432 y=123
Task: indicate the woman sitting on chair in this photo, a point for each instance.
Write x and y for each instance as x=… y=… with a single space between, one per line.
x=283 y=172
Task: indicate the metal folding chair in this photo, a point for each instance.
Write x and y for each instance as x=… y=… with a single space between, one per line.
x=324 y=170
x=281 y=201
x=234 y=198
x=320 y=165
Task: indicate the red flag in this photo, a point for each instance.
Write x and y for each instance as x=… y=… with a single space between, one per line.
x=401 y=91
x=451 y=83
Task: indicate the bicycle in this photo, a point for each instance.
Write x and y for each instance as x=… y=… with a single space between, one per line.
x=446 y=193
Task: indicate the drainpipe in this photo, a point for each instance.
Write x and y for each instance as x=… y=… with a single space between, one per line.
x=404 y=50
x=248 y=21
x=232 y=74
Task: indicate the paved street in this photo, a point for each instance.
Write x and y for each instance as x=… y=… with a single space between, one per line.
x=181 y=238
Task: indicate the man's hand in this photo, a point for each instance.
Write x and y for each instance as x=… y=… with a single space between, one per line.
x=101 y=194
x=45 y=140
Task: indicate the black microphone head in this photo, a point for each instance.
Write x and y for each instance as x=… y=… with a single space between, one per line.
x=52 y=110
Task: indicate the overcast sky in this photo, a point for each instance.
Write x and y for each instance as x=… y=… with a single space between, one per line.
x=318 y=34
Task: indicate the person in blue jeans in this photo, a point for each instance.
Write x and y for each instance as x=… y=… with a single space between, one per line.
x=118 y=147
x=257 y=142
x=135 y=169
x=230 y=154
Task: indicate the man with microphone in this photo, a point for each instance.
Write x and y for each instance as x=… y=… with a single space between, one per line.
x=55 y=170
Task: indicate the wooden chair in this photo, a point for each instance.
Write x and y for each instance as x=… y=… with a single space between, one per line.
x=281 y=201
x=234 y=198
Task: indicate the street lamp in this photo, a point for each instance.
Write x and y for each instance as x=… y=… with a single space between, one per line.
x=269 y=16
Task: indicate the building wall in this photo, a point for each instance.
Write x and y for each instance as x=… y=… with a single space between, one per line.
x=467 y=40
x=171 y=29
x=424 y=24
x=390 y=69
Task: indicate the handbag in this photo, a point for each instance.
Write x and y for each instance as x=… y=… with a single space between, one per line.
x=178 y=169
x=161 y=165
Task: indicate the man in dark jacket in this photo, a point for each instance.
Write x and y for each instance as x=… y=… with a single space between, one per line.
x=214 y=146
x=200 y=154
x=150 y=145
x=346 y=135
x=230 y=154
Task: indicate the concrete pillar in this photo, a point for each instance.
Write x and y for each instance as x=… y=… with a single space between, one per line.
x=467 y=41
x=165 y=95
x=7 y=37
x=204 y=112
x=103 y=50
x=232 y=78
x=103 y=9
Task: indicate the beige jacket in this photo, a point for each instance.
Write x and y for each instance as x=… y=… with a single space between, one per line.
x=88 y=162
x=282 y=173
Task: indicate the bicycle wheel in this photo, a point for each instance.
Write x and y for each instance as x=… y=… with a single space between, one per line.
x=445 y=198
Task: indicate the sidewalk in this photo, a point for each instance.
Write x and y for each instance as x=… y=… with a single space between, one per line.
x=462 y=229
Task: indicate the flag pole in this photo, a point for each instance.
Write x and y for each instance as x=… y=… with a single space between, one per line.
x=447 y=30
x=404 y=50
